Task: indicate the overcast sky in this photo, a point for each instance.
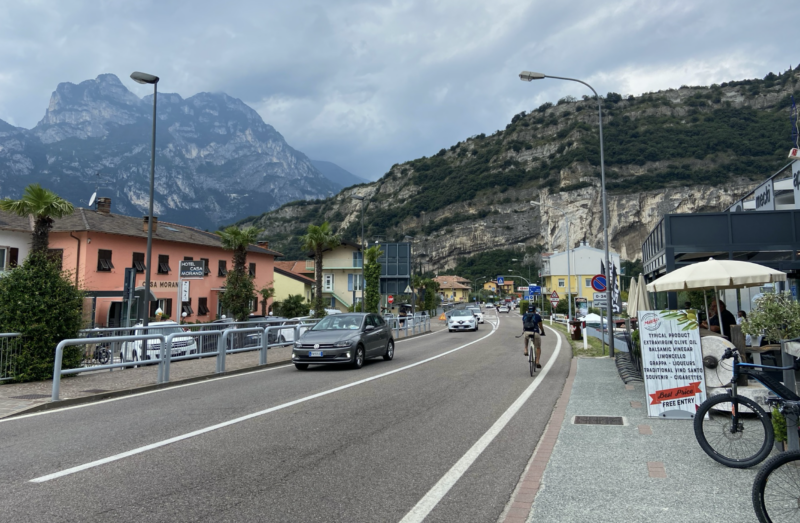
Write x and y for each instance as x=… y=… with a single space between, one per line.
x=367 y=84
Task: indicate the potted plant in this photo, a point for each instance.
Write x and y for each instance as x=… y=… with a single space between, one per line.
x=779 y=428
x=776 y=317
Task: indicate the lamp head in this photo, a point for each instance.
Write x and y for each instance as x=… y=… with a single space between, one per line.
x=527 y=76
x=144 y=78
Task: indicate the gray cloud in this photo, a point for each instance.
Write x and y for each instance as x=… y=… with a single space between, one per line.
x=367 y=84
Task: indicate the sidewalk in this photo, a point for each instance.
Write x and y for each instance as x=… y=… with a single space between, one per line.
x=96 y=385
x=648 y=470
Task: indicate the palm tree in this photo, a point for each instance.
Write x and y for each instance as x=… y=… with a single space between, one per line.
x=238 y=240
x=417 y=282
x=239 y=287
x=318 y=239
x=44 y=205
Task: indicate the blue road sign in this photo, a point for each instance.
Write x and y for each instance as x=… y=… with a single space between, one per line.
x=533 y=290
x=500 y=280
x=599 y=283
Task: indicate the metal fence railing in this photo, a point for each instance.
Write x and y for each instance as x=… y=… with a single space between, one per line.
x=9 y=350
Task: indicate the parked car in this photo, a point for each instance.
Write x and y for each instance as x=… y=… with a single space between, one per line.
x=349 y=338
x=181 y=345
x=461 y=320
x=503 y=308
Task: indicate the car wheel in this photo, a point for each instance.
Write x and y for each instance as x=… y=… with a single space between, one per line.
x=389 y=351
x=476 y=327
x=301 y=366
x=358 y=357
x=449 y=330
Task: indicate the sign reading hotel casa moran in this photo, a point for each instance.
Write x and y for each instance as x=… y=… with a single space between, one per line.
x=672 y=361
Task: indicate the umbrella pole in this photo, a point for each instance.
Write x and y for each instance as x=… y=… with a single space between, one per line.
x=705 y=302
x=719 y=313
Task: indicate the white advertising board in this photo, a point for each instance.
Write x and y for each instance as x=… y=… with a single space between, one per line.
x=764 y=196
x=672 y=360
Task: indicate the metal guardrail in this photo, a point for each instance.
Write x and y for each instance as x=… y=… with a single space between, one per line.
x=9 y=350
x=138 y=349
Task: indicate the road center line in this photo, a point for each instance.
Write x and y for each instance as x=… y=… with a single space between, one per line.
x=443 y=486
x=241 y=419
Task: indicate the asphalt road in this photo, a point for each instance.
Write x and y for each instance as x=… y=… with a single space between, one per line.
x=326 y=444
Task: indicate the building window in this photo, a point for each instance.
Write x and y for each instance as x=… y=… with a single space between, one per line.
x=138 y=261
x=561 y=282
x=588 y=282
x=104 y=261
x=333 y=303
x=187 y=307
x=202 y=306
x=254 y=304
x=3 y=255
x=358 y=259
x=252 y=270
x=57 y=255
x=188 y=258
x=206 y=270
x=327 y=283
x=223 y=268
x=354 y=282
x=165 y=304
x=8 y=258
x=163 y=264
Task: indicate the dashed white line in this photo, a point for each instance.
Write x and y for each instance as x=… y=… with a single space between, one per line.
x=241 y=419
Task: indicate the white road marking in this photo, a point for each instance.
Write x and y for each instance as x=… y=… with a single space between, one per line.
x=218 y=426
x=443 y=486
x=166 y=389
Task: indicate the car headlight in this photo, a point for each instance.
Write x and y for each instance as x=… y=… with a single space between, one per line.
x=343 y=343
x=297 y=344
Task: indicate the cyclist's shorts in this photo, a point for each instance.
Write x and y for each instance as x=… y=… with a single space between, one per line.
x=536 y=337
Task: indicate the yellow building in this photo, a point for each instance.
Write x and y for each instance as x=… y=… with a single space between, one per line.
x=453 y=288
x=506 y=288
x=585 y=263
x=341 y=276
x=292 y=278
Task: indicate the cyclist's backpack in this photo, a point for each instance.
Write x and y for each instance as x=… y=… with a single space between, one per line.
x=529 y=322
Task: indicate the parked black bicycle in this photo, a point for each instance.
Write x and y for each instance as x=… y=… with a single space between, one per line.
x=776 y=490
x=734 y=430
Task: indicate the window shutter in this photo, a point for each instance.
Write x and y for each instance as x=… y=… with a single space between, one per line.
x=169 y=307
x=350 y=282
x=153 y=307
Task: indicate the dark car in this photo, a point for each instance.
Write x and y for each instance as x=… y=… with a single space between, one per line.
x=344 y=339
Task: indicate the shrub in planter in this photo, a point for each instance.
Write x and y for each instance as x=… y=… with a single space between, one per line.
x=778 y=426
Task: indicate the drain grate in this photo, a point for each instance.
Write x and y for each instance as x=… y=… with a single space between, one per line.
x=598 y=420
x=30 y=397
x=95 y=391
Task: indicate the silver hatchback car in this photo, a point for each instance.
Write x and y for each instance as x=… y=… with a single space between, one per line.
x=344 y=339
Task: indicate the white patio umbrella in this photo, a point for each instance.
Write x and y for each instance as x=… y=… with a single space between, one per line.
x=716 y=274
x=633 y=306
x=643 y=301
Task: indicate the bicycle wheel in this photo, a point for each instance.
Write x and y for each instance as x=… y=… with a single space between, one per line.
x=531 y=358
x=776 y=490
x=746 y=445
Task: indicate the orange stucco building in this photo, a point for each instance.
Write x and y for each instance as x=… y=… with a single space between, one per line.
x=96 y=246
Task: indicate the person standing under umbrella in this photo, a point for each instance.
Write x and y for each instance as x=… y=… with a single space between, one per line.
x=728 y=319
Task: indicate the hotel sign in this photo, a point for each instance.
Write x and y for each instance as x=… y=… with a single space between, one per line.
x=192 y=269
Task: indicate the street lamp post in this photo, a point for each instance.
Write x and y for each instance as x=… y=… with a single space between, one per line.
x=569 y=267
x=363 y=254
x=528 y=76
x=144 y=78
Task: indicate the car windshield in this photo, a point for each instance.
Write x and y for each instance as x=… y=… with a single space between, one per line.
x=338 y=322
x=462 y=313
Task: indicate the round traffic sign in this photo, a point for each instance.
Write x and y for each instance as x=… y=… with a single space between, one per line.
x=599 y=283
x=390 y=299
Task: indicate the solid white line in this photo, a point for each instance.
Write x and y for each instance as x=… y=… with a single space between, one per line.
x=218 y=426
x=443 y=486
x=167 y=389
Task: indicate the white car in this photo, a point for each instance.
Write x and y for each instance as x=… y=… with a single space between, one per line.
x=462 y=320
x=181 y=345
x=477 y=313
x=503 y=308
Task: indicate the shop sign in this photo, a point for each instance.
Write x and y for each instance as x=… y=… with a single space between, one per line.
x=764 y=197
x=162 y=284
x=796 y=183
x=672 y=361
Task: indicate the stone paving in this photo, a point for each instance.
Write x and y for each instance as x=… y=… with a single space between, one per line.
x=19 y=397
x=648 y=470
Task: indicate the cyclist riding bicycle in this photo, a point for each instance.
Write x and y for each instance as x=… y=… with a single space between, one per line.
x=534 y=330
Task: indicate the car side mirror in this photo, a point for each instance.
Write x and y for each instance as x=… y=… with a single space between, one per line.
x=369 y=328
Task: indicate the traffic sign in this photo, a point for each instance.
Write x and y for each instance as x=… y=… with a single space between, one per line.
x=534 y=289
x=554 y=296
x=500 y=280
x=390 y=299
x=408 y=289
x=600 y=296
x=599 y=283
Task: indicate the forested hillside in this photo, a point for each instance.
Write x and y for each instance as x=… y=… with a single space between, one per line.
x=714 y=142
